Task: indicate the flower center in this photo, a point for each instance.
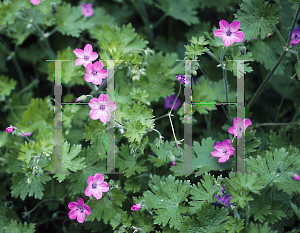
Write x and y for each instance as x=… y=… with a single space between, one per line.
x=296 y=37
x=228 y=33
x=225 y=151
x=80 y=208
x=171 y=102
x=94 y=72
x=94 y=186
x=86 y=58
x=102 y=107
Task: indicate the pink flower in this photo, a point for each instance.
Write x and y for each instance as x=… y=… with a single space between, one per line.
x=169 y=101
x=101 y=108
x=136 y=207
x=95 y=73
x=296 y=177
x=96 y=186
x=87 y=10
x=295 y=36
x=85 y=56
x=181 y=78
x=35 y=2
x=26 y=134
x=229 y=32
x=79 y=210
x=9 y=129
x=173 y=163
x=239 y=126
x=223 y=150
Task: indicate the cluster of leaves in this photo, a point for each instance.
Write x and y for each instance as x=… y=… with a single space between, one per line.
x=263 y=200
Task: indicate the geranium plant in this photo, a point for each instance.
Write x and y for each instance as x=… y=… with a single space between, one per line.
x=149 y=116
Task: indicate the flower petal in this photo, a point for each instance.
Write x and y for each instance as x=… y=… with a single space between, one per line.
x=98 y=65
x=234 y=26
x=80 y=201
x=95 y=114
x=72 y=205
x=79 y=62
x=73 y=214
x=93 y=56
x=102 y=99
x=224 y=25
x=87 y=209
x=79 y=53
x=94 y=103
x=238 y=36
x=89 y=77
x=88 y=49
x=220 y=33
x=228 y=40
x=80 y=217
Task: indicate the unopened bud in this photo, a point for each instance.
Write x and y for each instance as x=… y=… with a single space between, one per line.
x=81 y=98
x=172 y=158
x=53 y=5
x=243 y=50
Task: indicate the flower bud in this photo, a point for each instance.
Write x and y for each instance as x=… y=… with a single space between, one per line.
x=81 y=98
x=53 y=5
x=172 y=158
x=243 y=50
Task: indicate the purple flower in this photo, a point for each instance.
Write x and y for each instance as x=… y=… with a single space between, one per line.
x=239 y=126
x=169 y=101
x=225 y=197
x=181 y=78
x=229 y=32
x=295 y=36
x=79 y=210
x=136 y=207
x=87 y=10
x=223 y=150
x=96 y=186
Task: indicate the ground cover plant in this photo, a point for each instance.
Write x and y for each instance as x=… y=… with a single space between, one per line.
x=129 y=73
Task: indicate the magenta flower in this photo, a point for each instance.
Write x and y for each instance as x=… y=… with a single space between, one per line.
x=296 y=177
x=87 y=10
x=95 y=73
x=35 y=2
x=101 y=108
x=295 y=36
x=229 y=32
x=26 y=134
x=169 y=101
x=239 y=126
x=136 y=207
x=9 y=129
x=223 y=150
x=85 y=56
x=173 y=163
x=96 y=186
x=181 y=78
x=79 y=210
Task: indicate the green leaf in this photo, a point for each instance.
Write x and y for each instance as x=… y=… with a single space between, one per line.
x=196 y=47
x=167 y=200
x=209 y=219
x=185 y=12
x=130 y=164
x=236 y=55
x=23 y=186
x=204 y=161
x=93 y=164
x=257 y=18
x=234 y=225
x=70 y=21
x=243 y=184
x=260 y=228
x=106 y=209
x=162 y=152
x=68 y=161
x=139 y=119
x=15 y=227
x=274 y=169
x=71 y=74
x=203 y=192
x=7 y=85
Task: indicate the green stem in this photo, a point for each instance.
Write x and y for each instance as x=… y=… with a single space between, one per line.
x=279 y=35
x=283 y=97
x=213 y=56
x=19 y=70
x=159 y=21
x=33 y=83
x=267 y=79
x=50 y=220
x=162 y=116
